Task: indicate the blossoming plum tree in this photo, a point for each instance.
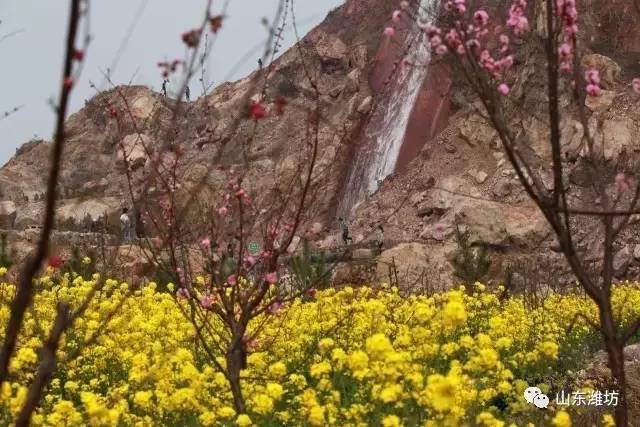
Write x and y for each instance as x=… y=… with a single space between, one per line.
x=484 y=50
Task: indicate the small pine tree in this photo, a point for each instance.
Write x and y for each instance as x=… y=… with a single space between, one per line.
x=309 y=270
x=471 y=264
x=5 y=255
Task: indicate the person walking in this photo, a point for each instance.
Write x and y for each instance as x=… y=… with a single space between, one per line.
x=379 y=237
x=125 y=225
x=187 y=94
x=164 y=87
x=260 y=63
x=345 y=231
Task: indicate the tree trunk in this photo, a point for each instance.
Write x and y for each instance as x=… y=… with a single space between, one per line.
x=615 y=352
x=236 y=357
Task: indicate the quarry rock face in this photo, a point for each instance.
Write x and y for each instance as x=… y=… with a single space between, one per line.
x=450 y=171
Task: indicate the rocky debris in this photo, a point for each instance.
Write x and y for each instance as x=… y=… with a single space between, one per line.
x=621 y=261
x=480 y=176
x=597 y=375
x=502 y=188
x=416 y=263
x=79 y=209
x=135 y=148
x=7 y=214
x=599 y=104
x=362 y=254
x=617 y=136
x=365 y=105
x=475 y=131
x=134 y=260
x=352 y=83
x=609 y=70
x=572 y=138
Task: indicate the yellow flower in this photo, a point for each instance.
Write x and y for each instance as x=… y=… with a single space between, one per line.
x=319 y=369
x=358 y=360
x=442 y=391
x=549 y=349
x=608 y=421
x=378 y=346
x=326 y=344
x=243 y=420
x=86 y=260
x=391 y=393
x=226 y=412
x=207 y=419
x=454 y=313
x=262 y=404
x=562 y=419
x=3 y=271
x=316 y=416
x=278 y=369
x=142 y=399
x=275 y=391
x=487 y=419
x=391 y=421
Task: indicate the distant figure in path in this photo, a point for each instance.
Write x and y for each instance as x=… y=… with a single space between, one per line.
x=187 y=94
x=164 y=87
x=345 y=231
x=379 y=237
x=260 y=63
x=125 y=225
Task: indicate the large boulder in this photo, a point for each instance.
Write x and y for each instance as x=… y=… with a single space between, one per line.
x=617 y=137
x=78 y=209
x=417 y=264
x=599 y=104
x=608 y=68
x=7 y=214
x=135 y=148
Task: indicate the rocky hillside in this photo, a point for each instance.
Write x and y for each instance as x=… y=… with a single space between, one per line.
x=450 y=172
x=339 y=54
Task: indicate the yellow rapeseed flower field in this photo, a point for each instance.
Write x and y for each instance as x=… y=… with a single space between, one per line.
x=348 y=357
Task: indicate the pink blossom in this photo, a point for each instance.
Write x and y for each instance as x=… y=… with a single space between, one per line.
x=460 y=50
x=206 y=301
x=592 y=76
x=481 y=17
x=389 y=32
x=250 y=261
x=622 y=182
x=396 y=16
x=222 y=211
x=231 y=280
x=439 y=227
x=506 y=62
x=571 y=30
x=435 y=41
x=635 y=84
x=441 y=49
x=271 y=277
x=240 y=193
x=516 y=20
x=593 y=89
x=205 y=243
x=182 y=293
x=431 y=30
x=503 y=88
x=565 y=50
